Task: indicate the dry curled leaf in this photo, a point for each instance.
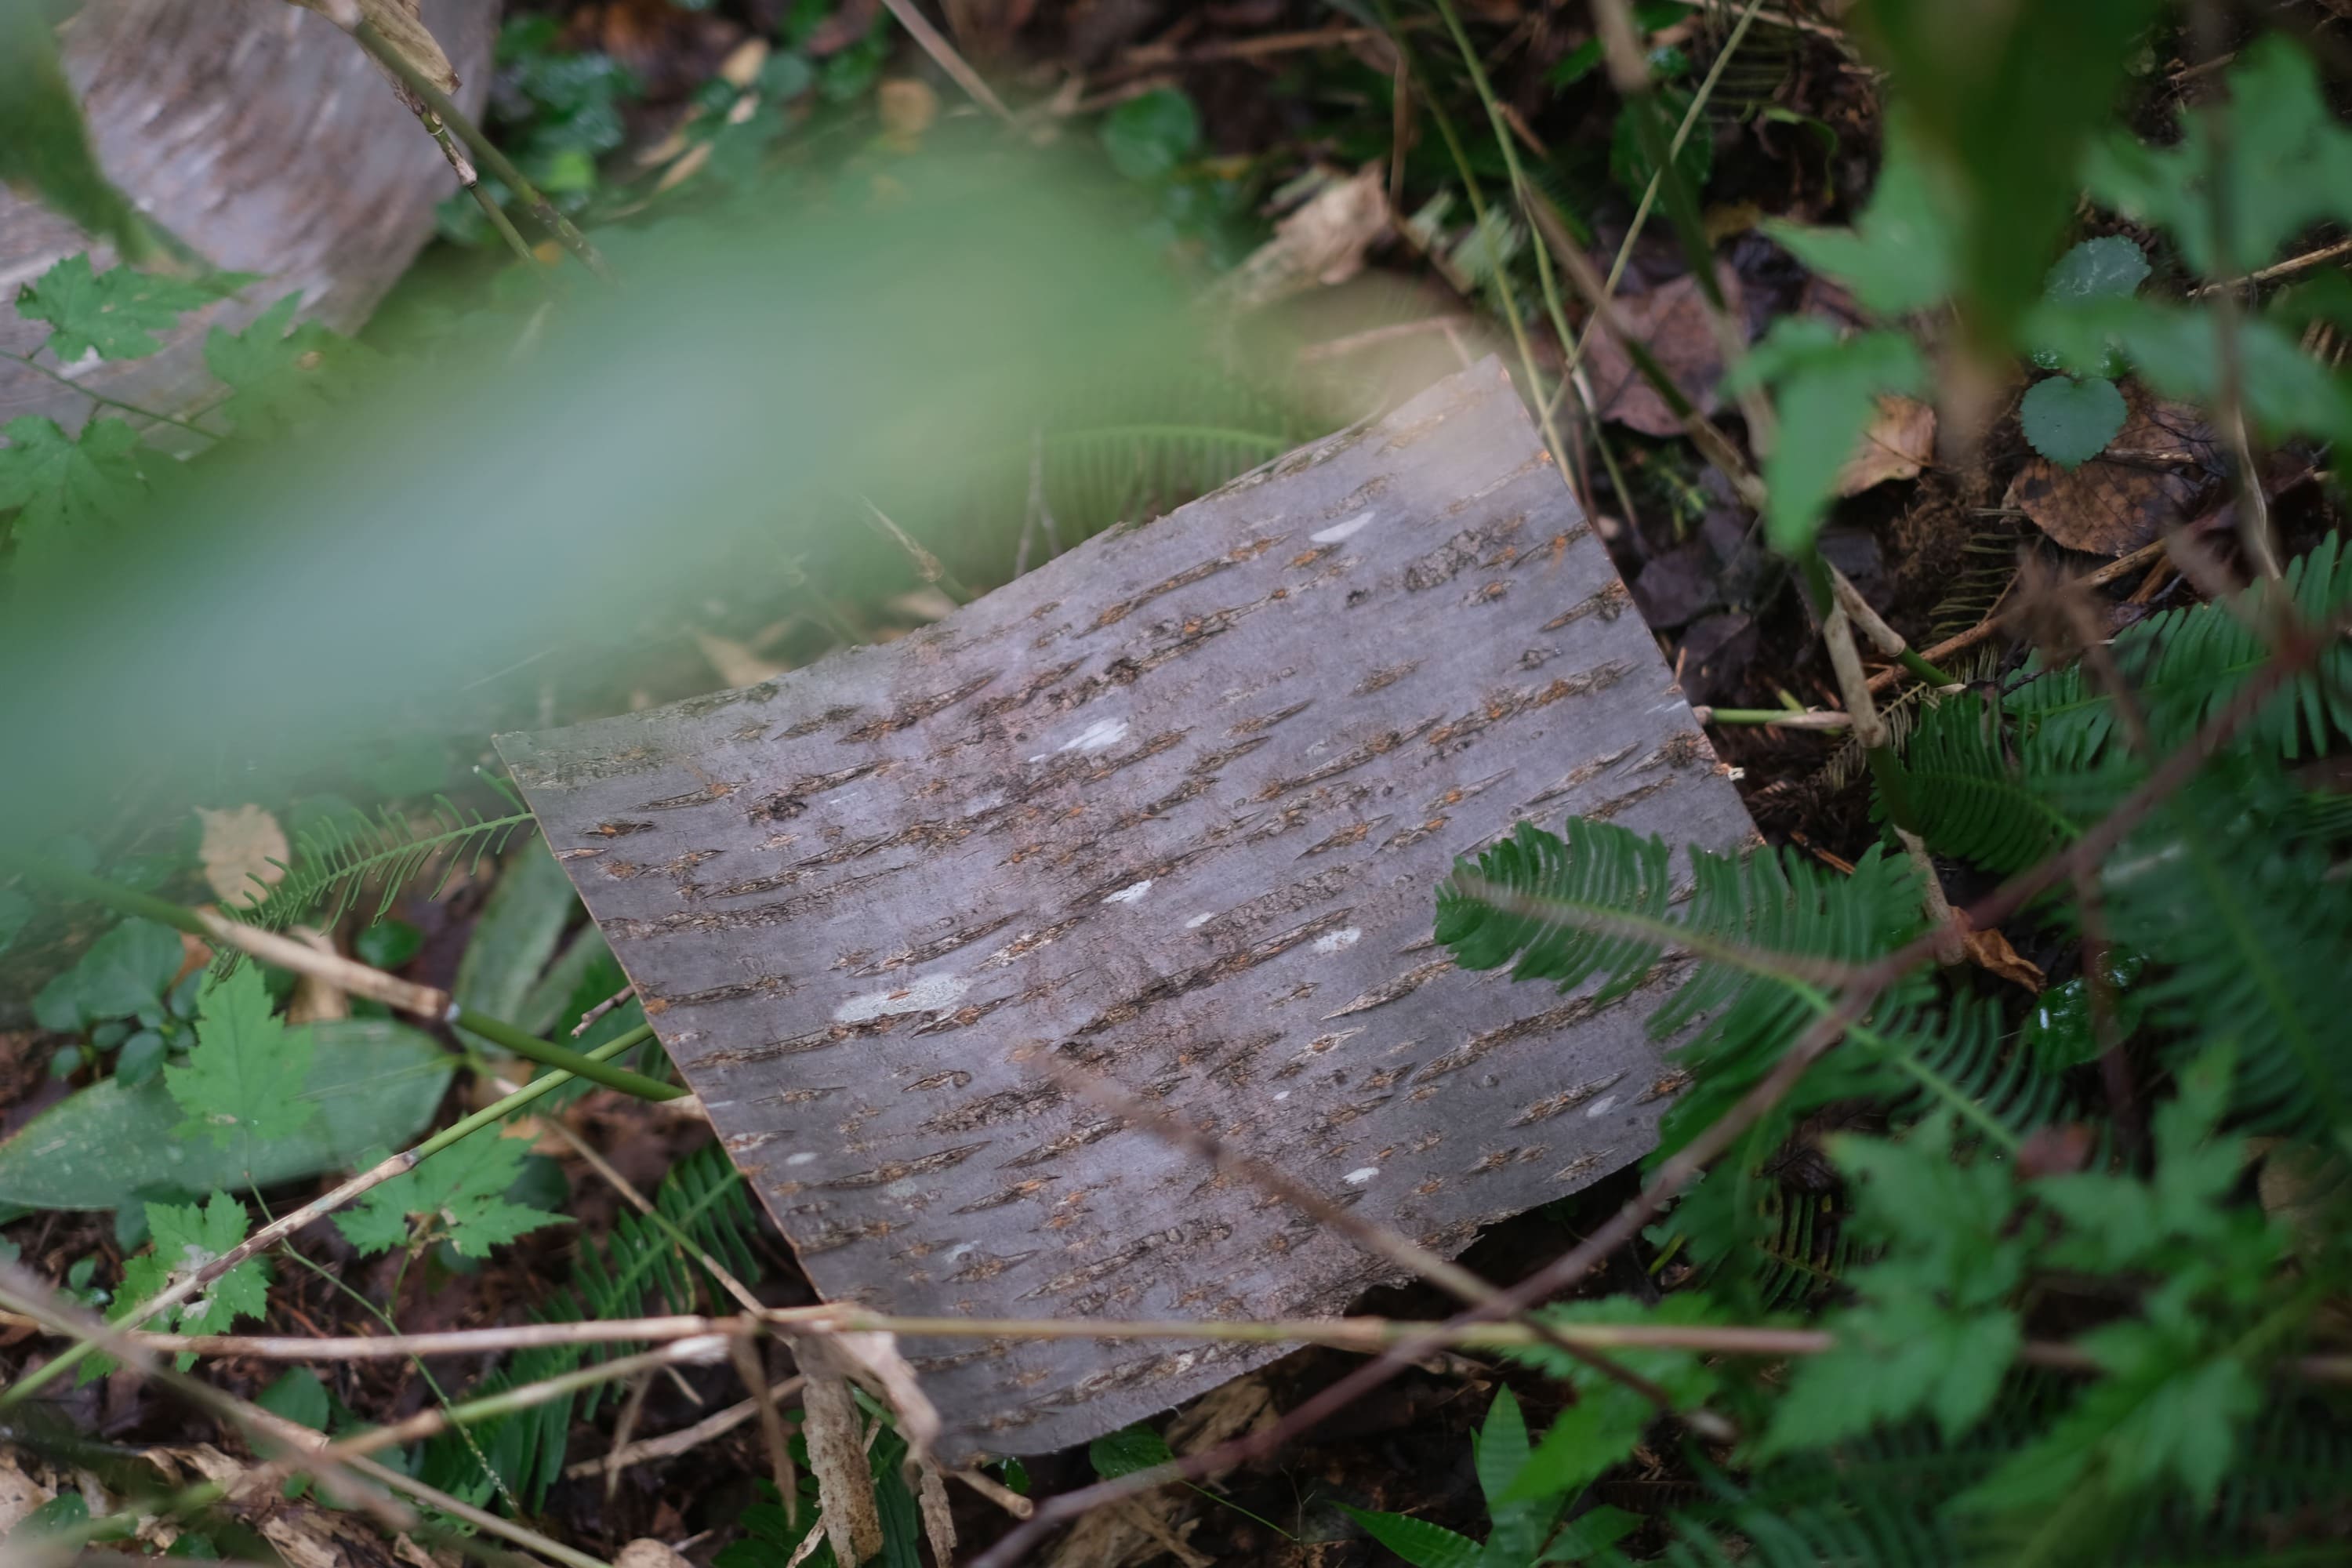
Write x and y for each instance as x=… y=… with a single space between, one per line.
x=1989 y=950
x=1322 y=243
x=2152 y=478
x=240 y=847
x=837 y=1453
x=402 y=26
x=1900 y=441
x=647 y=1553
x=1671 y=321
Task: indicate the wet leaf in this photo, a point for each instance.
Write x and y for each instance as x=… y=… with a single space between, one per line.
x=2152 y=477
x=2070 y=421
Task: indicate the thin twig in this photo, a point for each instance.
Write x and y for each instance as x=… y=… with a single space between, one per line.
x=1379 y=1240
x=382 y=49
x=928 y=566
x=62 y=379
x=288 y=1224
x=943 y=54
x=670 y=1444
x=588 y=1018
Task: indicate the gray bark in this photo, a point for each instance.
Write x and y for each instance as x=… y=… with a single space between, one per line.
x=264 y=137
x=1171 y=809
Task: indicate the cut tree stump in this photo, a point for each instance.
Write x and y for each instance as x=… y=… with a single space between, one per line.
x=1170 y=810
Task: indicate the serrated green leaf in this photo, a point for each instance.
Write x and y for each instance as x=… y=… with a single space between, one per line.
x=1418 y=1541
x=2070 y=421
x=2286 y=159
x=1824 y=389
x=1899 y=255
x=116 y=313
x=281 y=372
x=185 y=1238
x=128 y=968
x=376 y=1082
x=299 y=1396
x=1588 y=1439
x=2110 y=266
x=243 y=1083
x=1128 y=1450
x=1150 y=133
x=1501 y=1446
x=64 y=481
x=462 y=1192
x=1901 y=1355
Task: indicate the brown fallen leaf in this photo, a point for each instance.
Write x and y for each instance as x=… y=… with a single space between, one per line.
x=1899 y=442
x=837 y=1454
x=2153 y=477
x=647 y=1553
x=908 y=105
x=1989 y=950
x=1133 y=1533
x=315 y=998
x=240 y=847
x=1671 y=321
x=1320 y=244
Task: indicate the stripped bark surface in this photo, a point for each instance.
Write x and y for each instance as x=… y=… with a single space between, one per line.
x=1170 y=809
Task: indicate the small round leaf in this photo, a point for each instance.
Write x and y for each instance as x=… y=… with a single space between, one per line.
x=1147 y=136
x=2071 y=421
x=2108 y=267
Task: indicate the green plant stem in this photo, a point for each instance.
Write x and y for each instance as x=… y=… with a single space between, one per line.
x=38 y=368
x=482 y=147
x=490 y=1115
x=1446 y=128
x=497 y=1030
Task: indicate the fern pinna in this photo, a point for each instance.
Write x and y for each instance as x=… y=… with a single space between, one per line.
x=1981 y=1187
x=641 y=1266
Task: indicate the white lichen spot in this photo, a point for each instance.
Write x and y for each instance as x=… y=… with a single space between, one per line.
x=1099 y=736
x=803 y=1158
x=932 y=993
x=1283 y=1096
x=1203 y=918
x=1336 y=941
x=1600 y=1107
x=1358 y=1178
x=1339 y=531
x=1130 y=893
x=961 y=1250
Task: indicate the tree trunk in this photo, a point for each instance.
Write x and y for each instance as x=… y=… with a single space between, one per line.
x=262 y=136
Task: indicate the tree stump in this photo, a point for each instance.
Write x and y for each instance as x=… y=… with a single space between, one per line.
x=263 y=136
x=1170 y=810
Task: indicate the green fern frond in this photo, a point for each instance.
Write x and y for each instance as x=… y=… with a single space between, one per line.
x=1902 y=714
x=1863 y=1533
x=2251 y=936
x=1973 y=799
x=2185 y=665
x=340 y=856
x=639 y=1268
x=1805 y=1250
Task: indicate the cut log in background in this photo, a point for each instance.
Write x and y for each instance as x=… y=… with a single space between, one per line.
x=263 y=137
x=1170 y=810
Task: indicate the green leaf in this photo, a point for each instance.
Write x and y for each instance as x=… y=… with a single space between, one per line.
x=299 y=1396
x=243 y=1083
x=1128 y=1450
x=2071 y=421
x=185 y=1238
x=116 y=313
x=1418 y=1541
x=463 y=1191
x=1825 y=388
x=1590 y=1437
x=2287 y=163
x=282 y=371
x=45 y=149
x=67 y=1510
x=128 y=968
x=1149 y=134
x=2110 y=266
x=516 y=935
x=1899 y=255
x=1591 y=1534
x=387 y=944
x=1903 y=1354
x=64 y=481
x=375 y=1083
x=1500 y=1447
